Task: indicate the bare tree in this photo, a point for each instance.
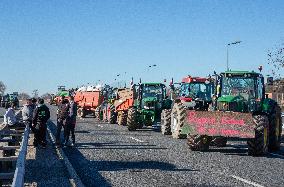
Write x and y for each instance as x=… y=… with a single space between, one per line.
x=23 y=96
x=276 y=59
x=2 y=88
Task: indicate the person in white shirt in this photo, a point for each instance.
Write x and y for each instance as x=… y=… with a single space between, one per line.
x=10 y=117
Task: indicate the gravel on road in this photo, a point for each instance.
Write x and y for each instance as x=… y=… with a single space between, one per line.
x=110 y=155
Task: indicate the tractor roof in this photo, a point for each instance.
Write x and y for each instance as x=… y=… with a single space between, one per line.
x=190 y=79
x=241 y=73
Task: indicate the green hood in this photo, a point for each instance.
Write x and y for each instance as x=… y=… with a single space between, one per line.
x=149 y=99
x=64 y=93
x=229 y=98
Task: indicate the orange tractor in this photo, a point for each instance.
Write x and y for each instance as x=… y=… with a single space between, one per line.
x=116 y=107
x=56 y=99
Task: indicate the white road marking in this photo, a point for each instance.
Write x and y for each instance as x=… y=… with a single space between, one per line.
x=100 y=126
x=136 y=139
x=247 y=181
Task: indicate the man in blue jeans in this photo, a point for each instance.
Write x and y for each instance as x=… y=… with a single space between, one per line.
x=62 y=119
x=71 y=122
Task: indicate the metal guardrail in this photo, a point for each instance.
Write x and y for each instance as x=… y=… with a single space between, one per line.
x=12 y=165
x=19 y=175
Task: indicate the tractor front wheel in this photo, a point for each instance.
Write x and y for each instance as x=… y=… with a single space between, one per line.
x=219 y=141
x=166 y=122
x=112 y=114
x=259 y=144
x=132 y=119
x=122 y=118
x=177 y=120
x=275 y=129
x=199 y=142
x=81 y=113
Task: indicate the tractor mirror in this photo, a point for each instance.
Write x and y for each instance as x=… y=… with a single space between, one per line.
x=269 y=80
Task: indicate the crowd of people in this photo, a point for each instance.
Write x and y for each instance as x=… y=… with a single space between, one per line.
x=35 y=114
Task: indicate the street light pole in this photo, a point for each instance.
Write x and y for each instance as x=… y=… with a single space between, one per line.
x=228 y=57
x=233 y=43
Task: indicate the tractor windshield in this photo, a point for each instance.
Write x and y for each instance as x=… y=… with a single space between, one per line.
x=239 y=86
x=196 y=90
x=152 y=91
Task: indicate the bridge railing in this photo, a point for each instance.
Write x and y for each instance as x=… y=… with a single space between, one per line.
x=14 y=145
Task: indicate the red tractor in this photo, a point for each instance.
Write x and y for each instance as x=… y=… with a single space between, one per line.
x=194 y=93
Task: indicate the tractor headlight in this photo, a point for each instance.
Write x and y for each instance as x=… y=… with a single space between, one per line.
x=149 y=107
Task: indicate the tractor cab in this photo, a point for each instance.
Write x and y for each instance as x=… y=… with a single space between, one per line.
x=150 y=100
x=196 y=92
x=151 y=96
x=240 y=91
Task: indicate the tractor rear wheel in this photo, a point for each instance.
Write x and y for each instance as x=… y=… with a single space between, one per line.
x=275 y=129
x=219 y=141
x=199 y=142
x=177 y=120
x=132 y=119
x=81 y=113
x=166 y=122
x=112 y=115
x=259 y=144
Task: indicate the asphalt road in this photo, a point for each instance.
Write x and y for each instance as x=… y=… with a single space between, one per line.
x=110 y=155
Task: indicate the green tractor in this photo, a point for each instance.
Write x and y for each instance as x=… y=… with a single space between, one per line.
x=149 y=101
x=240 y=109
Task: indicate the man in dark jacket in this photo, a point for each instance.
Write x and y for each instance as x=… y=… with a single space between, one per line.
x=71 y=122
x=40 y=117
x=62 y=117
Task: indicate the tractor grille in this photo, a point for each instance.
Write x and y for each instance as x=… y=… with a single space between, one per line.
x=223 y=106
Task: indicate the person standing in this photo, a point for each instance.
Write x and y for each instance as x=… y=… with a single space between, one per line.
x=27 y=112
x=40 y=116
x=62 y=117
x=34 y=103
x=71 y=122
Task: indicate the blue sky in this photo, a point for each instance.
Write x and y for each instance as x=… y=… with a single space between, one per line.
x=48 y=43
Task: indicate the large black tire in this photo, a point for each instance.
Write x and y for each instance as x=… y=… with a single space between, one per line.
x=112 y=119
x=119 y=118
x=259 y=144
x=122 y=118
x=132 y=119
x=178 y=116
x=81 y=113
x=97 y=113
x=219 y=141
x=199 y=142
x=275 y=129
x=166 y=122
